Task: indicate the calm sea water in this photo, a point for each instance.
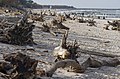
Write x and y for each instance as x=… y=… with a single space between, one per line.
x=106 y=13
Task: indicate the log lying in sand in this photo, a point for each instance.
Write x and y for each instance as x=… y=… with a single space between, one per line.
x=91 y=22
x=76 y=67
x=63 y=64
x=81 y=20
x=53 y=27
x=97 y=53
x=37 y=17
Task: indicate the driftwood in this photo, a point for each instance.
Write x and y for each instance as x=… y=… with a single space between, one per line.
x=67 y=16
x=99 y=63
x=24 y=65
x=61 y=52
x=46 y=28
x=63 y=64
x=65 y=50
x=67 y=54
x=81 y=20
x=17 y=32
x=61 y=18
x=18 y=66
x=37 y=17
x=53 y=27
x=76 y=67
x=97 y=53
x=115 y=25
x=91 y=22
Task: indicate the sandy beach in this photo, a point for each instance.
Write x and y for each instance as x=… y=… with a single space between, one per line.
x=88 y=37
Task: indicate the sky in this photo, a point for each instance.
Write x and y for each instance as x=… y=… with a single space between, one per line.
x=82 y=3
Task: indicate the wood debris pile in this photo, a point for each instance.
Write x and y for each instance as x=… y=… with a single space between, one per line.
x=16 y=30
x=115 y=25
x=91 y=22
x=81 y=20
x=17 y=66
x=37 y=17
x=54 y=27
x=67 y=54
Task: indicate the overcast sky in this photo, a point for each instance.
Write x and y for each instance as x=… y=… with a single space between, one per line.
x=83 y=3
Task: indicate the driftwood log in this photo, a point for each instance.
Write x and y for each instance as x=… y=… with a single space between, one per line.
x=37 y=17
x=97 y=53
x=81 y=20
x=76 y=67
x=114 y=25
x=91 y=22
x=54 y=27
x=66 y=50
x=17 y=32
x=67 y=16
x=18 y=66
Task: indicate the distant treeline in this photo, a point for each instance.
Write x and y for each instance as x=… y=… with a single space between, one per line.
x=58 y=6
x=19 y=3
x=31 y=4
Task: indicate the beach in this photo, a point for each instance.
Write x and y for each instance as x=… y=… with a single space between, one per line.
x=92 y=38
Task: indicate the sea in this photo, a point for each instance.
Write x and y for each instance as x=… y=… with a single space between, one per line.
x=107 y=13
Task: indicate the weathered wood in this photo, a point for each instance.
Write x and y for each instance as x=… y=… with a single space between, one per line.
x=97 y=53
x=37 y=17
x=63 y=64
x=53 y=27
x=20 y=66
x=66 y=50
x=19 y=32
x=91 y=22
x=114 y=25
